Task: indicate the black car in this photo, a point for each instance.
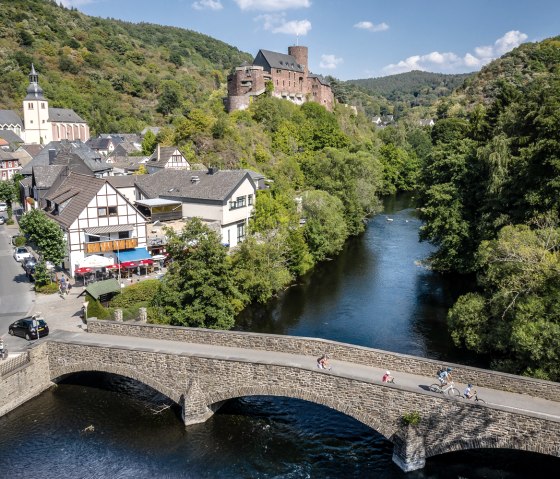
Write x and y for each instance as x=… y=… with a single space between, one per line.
x=26 y=328
x=29 y=263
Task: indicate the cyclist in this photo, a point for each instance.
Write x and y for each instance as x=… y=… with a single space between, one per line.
x=387 y=378
x=444 y=376
x=469 y=392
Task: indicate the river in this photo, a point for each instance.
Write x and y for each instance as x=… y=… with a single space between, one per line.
x=375 y=293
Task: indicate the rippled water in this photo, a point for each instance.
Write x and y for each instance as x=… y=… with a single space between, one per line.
x=375 y=294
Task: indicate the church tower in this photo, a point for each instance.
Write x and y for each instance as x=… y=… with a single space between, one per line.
x=36 y=112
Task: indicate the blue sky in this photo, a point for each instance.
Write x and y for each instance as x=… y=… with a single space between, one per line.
x=352 y=39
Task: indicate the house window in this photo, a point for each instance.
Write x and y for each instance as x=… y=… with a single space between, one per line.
x=238 y=203
x=113 y=211
x=101 y=211
x=93 y=239
x=124 y=234
x=240 y=232
x=249 y=200
x=30 y=106
x=42 y=106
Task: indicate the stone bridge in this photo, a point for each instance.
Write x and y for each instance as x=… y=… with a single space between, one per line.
x=200 y=369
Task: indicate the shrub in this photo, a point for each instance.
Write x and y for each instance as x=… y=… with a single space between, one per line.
x=96 y=309
x=10 y=221
x=19 y=240
x=49 y=288
x=411 y=418
x=142 y=292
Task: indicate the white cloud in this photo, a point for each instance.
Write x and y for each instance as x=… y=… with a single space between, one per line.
x=330 y=61
x=75 y=3
x=277 y=23
x=272 y=5
x=372 y=27
x=207 y=5
x=451 y=63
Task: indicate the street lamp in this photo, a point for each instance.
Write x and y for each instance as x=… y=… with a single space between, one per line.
x=118 y=250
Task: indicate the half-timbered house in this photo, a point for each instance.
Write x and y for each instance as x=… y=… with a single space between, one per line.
x=97 y=220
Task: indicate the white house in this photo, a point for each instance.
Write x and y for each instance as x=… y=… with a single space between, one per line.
x=167 y=157
x=97 y=220
x=9 y=165
x=224 y=199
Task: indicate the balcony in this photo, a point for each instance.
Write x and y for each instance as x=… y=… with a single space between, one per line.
x=110 y=246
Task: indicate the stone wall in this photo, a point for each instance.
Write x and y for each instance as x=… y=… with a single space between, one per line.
x=198 y=382
x=26 y=381
x=339 y=351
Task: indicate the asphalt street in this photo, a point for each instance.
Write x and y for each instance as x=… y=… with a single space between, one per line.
x=16 y=292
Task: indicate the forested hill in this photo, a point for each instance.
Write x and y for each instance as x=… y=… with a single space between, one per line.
x=415 y=88
x=517 y=68
x=489 y=195
x=116 y=75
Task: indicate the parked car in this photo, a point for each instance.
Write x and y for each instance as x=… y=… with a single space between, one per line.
x=21 y=253
x=3 y=207
x=27 y=327
x=29 y=262
x=2 y=220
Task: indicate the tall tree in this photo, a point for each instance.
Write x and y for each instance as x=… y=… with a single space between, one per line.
x=45 y=234
x=199 y=289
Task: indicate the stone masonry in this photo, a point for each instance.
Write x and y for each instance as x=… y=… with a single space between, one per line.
x=344 y=352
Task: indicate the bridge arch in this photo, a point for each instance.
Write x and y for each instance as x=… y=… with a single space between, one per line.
x=65 y=370
x=488 y=442
x=374 y=419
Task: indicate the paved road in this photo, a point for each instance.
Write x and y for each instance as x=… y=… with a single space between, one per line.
x=516 y=402
x=16 y=292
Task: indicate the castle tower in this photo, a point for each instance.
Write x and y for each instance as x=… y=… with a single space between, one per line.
x=36 y=112
x=301 y=55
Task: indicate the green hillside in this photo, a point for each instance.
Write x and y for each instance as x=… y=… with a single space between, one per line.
x=118 y=76
x=411 y=89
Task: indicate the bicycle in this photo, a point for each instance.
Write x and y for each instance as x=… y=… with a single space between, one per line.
x=450 y=389
x=474 y=396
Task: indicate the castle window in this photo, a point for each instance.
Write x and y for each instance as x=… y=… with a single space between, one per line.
x=278 y=70
x=42 y=106
x=30 y=106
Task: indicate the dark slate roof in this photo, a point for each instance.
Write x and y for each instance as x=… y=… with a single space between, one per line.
x=165 y=153
x=78 y=190
x=321 y=79
x=10 y=136
x=46 y=175
x=64 y=115
x=100 y=143
x=7 y=155
x=10 y=117
x=33 y=149
x=178 y=184
x=278 y=60
x=122 y=181
x=67 y=151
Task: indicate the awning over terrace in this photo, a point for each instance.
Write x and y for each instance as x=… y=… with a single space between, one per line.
x=136 y=254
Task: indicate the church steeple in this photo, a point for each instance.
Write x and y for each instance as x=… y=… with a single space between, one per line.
x=34 y=91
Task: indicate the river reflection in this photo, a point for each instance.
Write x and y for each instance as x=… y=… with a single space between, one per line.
x=376 y=293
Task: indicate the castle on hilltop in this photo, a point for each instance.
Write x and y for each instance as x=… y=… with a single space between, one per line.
x=288 y=75
x=42 y=124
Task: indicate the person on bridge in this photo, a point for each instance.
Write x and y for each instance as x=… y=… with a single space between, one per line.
x=469 y=393
x=444 y=376
x=387 y=378
x=323 y=362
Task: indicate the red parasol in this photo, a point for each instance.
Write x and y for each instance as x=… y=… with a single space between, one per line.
x=114 y=266
x=147 y=261
x=83 y=270
x=129 y=264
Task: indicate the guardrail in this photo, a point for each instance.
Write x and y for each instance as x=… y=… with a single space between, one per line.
x=11 y=364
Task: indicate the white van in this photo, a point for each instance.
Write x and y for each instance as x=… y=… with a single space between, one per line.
x=3 y=207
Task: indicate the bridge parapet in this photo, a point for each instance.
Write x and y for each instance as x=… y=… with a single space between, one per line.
x=340 y=351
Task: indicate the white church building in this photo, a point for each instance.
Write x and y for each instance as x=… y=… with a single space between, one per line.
x=42 y=124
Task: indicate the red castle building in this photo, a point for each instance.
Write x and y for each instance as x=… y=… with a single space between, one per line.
x=289 y=76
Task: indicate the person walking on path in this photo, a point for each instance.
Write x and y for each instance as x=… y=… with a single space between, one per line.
x=323 y=362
